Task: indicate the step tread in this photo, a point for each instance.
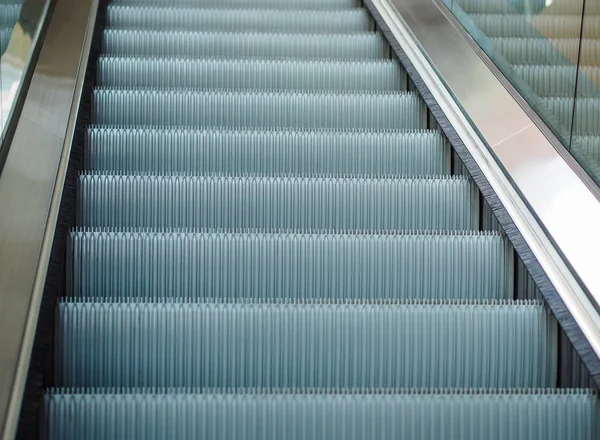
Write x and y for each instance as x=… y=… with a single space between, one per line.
x=188 y=263
x=343 y=345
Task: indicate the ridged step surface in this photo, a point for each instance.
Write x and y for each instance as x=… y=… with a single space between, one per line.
x=313 y=345
x=5 y=34
x=268 y=152
x=271 y=243
x=284 y=4
x=529 y=7
x=382 y=76
x=9 y=14
x=146 y=264
x=275 y=203
x=367 y=45
x=258 y=109
x=549 y=80
x=587 y=113
x=377 y=415
x=548 y=26
x=238 y=20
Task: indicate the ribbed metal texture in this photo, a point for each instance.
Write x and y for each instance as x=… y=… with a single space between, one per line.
x=551 y=80
x=276 y=203
x=536 y=50
x=415 y=415
x=384 y=75
x=271 y=244
x=5 y=34
x=587 y=113
x=590 y=145
x=289 y=4
x=543 y=51
x=528 y=7
x=549 y=26
x=239 y=45
x=9 y=13
x=267 y=152
x=314 y=345
x=258 y=109
x=255 y=265
x=480 y=6
x=238 y=20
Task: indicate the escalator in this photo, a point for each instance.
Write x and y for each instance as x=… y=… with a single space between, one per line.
x=273 y=239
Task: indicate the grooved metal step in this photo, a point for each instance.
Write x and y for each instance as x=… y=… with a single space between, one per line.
x=214 y=264
x=337 y=415
x=277 y=203
x=239 y=45
x=311 y=345
x=256 y=74
x=238 y=20
x=233 y=109
x=268 y=152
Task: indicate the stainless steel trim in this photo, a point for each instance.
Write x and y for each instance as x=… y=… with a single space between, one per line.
x=528 y=174
x=16 y=60
x=31 y=186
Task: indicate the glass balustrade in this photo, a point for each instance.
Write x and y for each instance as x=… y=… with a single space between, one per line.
x=550 y=51
x=20 y=25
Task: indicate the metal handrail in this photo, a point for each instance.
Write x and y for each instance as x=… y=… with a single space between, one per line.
x=31 y=189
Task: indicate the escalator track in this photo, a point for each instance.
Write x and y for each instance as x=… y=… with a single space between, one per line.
x=273 y=240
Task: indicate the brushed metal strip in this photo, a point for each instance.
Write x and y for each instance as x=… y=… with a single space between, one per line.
x=552 y=207
x=31 y=186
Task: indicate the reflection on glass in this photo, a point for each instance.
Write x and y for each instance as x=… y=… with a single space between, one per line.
x=20 y=24
x=585 y=144
x=536 y=45
x=9 y=15
x=550 y=51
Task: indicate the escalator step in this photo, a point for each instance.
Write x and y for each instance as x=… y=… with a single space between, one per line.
x=540 y=26
x=384 y=75
x=238 y=20
x=589 y=144
x=239 y=45
x=543 y=51
x=268 y=152
x=527 y=7
x=5 y=34
x=148 y=264
x=9 y=14
x=586 y=149
x=587 y=113
x=531 y=50
x=258 y=109
x=483 y=6
x=287 y=4
x=277 y=203
x=313 y=345
x=550 y=80
x=412 y=414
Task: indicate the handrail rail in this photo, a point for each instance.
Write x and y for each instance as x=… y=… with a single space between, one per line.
x=31 y=189
x=548 y=211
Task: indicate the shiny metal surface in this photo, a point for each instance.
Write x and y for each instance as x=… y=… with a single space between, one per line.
x=16 y=60
x=509 y=148
x=31 y=187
